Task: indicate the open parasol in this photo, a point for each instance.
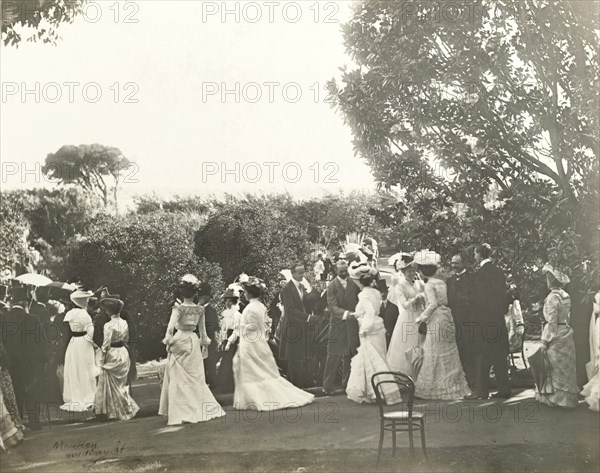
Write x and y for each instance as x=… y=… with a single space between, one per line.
x=33 y=279
x=63 y=285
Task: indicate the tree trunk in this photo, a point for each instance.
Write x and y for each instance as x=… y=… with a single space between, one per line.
x=115 y=199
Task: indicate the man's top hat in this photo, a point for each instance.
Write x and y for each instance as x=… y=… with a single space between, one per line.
x=382 y=285
x=18 y=294
x=205 y=290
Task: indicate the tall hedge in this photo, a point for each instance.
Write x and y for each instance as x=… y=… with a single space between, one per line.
x=141 y=257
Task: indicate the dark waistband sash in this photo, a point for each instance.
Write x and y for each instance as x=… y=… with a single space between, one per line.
x=117 y=344
x=79 y=334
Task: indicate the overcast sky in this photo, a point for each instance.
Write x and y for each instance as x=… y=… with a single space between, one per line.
x=169 y=74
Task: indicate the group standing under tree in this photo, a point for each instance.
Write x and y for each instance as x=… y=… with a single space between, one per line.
x=358 y=324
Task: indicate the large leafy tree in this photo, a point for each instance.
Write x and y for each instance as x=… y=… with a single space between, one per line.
x=486 y=114
x=97 y=168
x=506 y=94
x=252 y=234
x=36 y=20
x=329 y=218
x=56 y=215
x=14 y=230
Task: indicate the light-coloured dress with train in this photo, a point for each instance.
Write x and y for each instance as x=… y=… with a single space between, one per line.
x=405 y=334
x=112 y=396
x=370 y=357
x=441 y=375
x=80 y=364
x=258 y=384
x=185 y=396
x=561 y=383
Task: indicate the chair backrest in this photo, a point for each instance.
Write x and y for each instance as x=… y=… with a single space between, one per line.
x=402 y=381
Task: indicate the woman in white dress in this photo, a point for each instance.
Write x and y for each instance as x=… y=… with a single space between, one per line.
x=411 y=302
x=258 y=384
x=81 y=371
x=112 y=396
x=591 y=391
x=370 y=357
x=394 y=261
x=441 y=375
x=185 y=396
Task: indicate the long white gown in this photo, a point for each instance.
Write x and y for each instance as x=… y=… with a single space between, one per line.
x=258 y=384
x=80 y=364
x=591 y=391
x=405 y=334
x=185 y=396
x=112 y=396
x=370 y=357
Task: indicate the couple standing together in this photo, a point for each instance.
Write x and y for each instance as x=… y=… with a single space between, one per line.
x=473 y=307
x=356 y=331
x=185 y=396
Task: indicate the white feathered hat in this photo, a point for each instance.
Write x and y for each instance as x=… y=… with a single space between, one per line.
x=427 y=258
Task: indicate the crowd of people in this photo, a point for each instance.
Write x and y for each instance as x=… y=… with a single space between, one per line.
x=72 y=354
x=334 y=332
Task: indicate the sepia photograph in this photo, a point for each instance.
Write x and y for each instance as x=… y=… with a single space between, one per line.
x=302 y=236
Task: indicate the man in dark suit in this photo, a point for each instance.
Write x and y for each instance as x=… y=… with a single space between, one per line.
x=460 y=293
x=389 y=311
x=490 y=340
x=294 y=326
x=275 y=310
x=39 y=308
x=342 y=297
x=25 y=344
x=211 y=321
x=318 y=329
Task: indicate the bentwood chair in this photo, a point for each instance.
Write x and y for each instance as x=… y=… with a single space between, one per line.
x=406 y=420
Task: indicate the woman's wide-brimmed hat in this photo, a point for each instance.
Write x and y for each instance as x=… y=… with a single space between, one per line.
x=427 y=258
x=356 y=270
x=106 y=294
x=402 y=260
x=189 y=279
x=253 y=281
x=230 y=294
x=112 y=305
x=80 y=297
x=561 y=277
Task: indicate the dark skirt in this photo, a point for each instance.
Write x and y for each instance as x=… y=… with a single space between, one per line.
x=225 y=383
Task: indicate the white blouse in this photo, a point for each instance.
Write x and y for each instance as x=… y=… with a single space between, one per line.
x=230 y=320
x=80 y=321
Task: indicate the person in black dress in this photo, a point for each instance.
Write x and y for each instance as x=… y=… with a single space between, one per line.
x=211 y=321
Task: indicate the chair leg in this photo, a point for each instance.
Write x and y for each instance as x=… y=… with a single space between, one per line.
x=523 y=355
x=381 y=434
x=423 y=437
x=411 y=442
x=394 y=439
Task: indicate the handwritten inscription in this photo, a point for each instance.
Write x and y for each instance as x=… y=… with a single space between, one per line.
x=87 y=449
